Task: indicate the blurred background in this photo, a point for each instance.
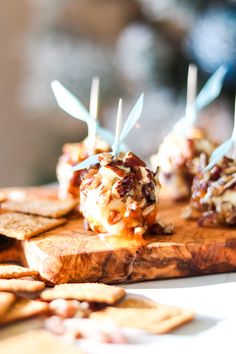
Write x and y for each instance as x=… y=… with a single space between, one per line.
x=134 y=46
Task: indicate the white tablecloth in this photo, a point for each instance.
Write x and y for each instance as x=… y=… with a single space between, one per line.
x=212 y=297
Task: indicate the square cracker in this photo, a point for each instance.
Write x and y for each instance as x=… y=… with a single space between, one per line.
x=22 y=309
x=42 y=207
x=91 y=292
x=8 y=271
x=159 y=320
x=37 y=341
x=22 y=226
x=137 y=303
x=21 y=285
x=6 y=300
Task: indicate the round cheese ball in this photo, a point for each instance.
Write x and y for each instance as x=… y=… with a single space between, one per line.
x=72 y=155
x=214 y=194
x=119 y=196
x=179 y=159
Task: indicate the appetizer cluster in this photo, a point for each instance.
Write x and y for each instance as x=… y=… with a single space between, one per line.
x=179 y=161
x=119 y=195
x=72 y=155
x=214 y=193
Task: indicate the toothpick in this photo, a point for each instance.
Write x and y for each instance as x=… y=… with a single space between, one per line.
x=191 y=90
x=234 y=128
x=93 y=110
x=118 y=126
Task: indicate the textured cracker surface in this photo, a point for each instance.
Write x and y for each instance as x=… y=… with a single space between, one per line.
x=41 y=207
x=24 y=308
x=159 y=320
x=85 y=292
x=21 y=285
x=37 y=342
x=8 y=271
x=22 y=226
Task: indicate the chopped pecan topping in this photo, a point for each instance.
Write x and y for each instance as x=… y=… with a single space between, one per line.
x=131 y=204
x=148 y=210
x=114 y=217
x=143 y=175
x=131 y=160
x=216 y=200
x=215 y=173
x=124 y=187
x=105 y=159
x=148 y=191
x=118 y=170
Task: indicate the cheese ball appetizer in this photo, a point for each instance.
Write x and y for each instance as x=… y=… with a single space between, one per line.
x=214 y=194
x=72 y=155
x=119 y=196
x=178 y=159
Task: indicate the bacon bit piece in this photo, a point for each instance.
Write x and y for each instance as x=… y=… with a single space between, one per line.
x=131 y=160
x=114 y=217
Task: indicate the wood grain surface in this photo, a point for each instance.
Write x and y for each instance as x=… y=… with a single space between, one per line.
x=71 y=254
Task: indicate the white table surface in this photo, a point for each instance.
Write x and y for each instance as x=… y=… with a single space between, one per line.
x=212 y=297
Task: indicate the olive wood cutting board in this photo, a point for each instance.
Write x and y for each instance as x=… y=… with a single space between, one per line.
x=71 y=254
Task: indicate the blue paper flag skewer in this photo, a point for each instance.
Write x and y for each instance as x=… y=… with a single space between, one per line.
x=72 y=106
x=208 y=94
x=228 y=148
x=129 y=124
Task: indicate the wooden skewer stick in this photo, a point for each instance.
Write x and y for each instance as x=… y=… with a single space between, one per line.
x=118 y=124
x=191 y=90
x=93 y=110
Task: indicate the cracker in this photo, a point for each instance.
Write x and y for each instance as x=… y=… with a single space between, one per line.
x=8 y=271
x=21 y=285
x=159 y=320
x=42 y=207
x=138 y=303
x=22 y=226
x=6 y=300
x=22 y=309
x=92 y=292
x=37 y=341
